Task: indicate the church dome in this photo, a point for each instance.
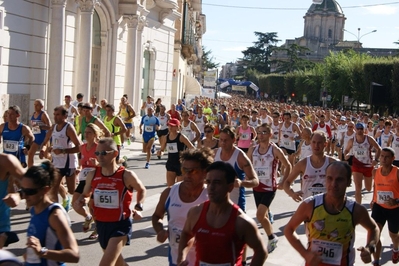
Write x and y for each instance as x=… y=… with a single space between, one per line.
x=326 y=5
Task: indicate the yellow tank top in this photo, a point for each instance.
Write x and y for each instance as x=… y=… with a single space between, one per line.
x=125 y=114
x=113 y=129
x=332 y=234
x=386 y=187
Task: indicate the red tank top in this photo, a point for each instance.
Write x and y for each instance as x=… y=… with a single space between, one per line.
x=86 y=155
x=111 y=197
x=224 y=240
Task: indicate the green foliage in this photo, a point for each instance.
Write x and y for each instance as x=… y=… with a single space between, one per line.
x=207 y=60
x=258 y=56
x=294 y=61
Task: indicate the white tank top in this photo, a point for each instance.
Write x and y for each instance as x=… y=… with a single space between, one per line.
x=341 y=129
x=287 y=135
x=177 y=214
x=254 y=124
x=314 y=179
x=187 y=131
x=95 y=110
x=265 y=166
x=362 y=151
x=346 y=140
x=163 y=121
x=71 y=115
x=276 y=131
x=395 y=145
x=306 y=150
x=200 y=123
x=61 y=141
x=384 y=139
x=268 y=120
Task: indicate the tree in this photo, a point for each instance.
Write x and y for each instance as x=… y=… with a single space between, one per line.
x=293 y=61
x=258 y=56
x=208 y=60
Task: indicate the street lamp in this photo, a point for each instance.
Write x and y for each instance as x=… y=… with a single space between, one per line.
x=359 y=37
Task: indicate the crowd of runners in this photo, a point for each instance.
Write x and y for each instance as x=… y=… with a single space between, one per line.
x=214 y=150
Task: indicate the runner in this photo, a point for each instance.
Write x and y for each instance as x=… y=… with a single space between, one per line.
x=127 y=113
x=151 y=125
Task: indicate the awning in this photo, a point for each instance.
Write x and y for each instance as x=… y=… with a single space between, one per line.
x=192 y=86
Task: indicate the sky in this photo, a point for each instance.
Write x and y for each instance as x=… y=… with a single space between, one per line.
x=230 y=27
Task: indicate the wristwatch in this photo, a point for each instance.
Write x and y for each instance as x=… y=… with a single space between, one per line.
x=43 y=251
x=371 y=248
x=138 y=207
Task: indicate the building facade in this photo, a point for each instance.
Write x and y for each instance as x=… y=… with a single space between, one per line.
x=106 y=48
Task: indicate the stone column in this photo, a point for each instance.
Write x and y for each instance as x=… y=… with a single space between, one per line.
x=56 y=55
x=131 y=55
x=139 y=71
x=85 y=44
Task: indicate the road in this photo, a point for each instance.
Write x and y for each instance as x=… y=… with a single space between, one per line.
x=145 y=250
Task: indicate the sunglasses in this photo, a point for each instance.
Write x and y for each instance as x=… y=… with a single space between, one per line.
x=262 y=132
x=29 y=191
x=208 y=131
x=102 y=153
x=195 y=170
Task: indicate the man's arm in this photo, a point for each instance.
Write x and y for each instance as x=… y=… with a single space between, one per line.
x=158 y=215
x=302 y=214
x=28 y=135
x=287 y=165
x=101 y=125
x=296 y=171
x=122 y=127
x=251 y=178
x=195 y=128
x=246 y=226
x=71 y=133
x=377 y=150
x=46 y=121
x=133 y=182
x=132 y=113
x=362 y=217
x=348 y=148
x=187 y=236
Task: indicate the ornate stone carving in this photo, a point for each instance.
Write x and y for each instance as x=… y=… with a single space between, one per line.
x=58 y=2
x=164 y=13
x=87 y=5
x=142 y=23
x=132 y=21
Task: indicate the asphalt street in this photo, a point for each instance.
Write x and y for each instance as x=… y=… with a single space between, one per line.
x=145 y=250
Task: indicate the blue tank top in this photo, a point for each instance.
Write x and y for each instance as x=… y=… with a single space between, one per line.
x=39 y=134
x=13 y=141
x=40 y=228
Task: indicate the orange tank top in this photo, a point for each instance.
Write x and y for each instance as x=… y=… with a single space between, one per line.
x=386 y=187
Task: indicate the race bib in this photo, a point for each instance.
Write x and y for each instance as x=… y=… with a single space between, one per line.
x=174 y=236
x=331 y=252
x=315 y=190
x=36 y=130
x=201 y=263
x=107 y=199
x=149 y=128
x=11 y=145
x=361 y=154
x=233 y=123
x=172 y=148
x=383 y=196
x=264 y=176
x=244 y=136
x=83 y=173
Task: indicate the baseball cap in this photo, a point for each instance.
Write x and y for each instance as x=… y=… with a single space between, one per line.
x=359 y=125
x=173 y=122
x=343 y=118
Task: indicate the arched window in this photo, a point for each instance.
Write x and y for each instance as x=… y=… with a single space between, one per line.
x=330 y=34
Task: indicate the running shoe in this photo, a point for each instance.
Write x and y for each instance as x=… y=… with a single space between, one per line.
x=272 y=244
x=87 y=225
x=66 y=203
x=153 y=149
x=376 y=263
x=128 y=141
x=94 y=235
x=147 y=165
x=395 y=256
x=132 y=138
x=271 y=217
